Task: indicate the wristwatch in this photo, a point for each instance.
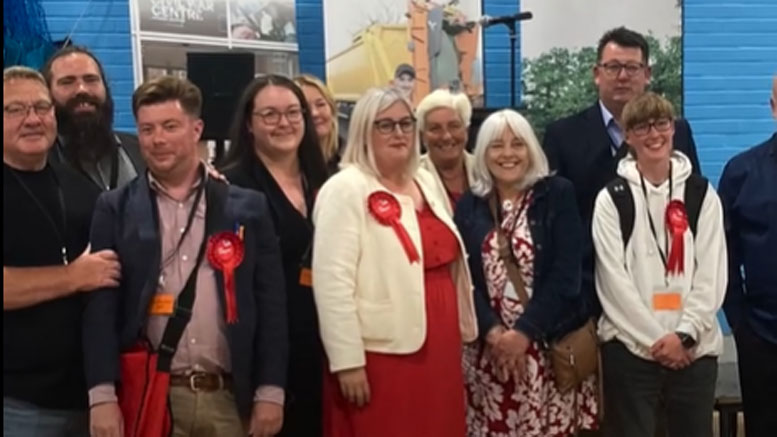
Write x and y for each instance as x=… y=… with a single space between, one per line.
x=686 y=339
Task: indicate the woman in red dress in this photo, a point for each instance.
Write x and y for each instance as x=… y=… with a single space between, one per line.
x=391 y=285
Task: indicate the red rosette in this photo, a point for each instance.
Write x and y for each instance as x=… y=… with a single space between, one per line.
x=676 y=225
x=225 y=252
x=385 y=208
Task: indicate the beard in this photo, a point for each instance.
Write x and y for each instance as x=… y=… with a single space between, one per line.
x=88 y=136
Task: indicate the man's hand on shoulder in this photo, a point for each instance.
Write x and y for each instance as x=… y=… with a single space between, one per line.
x=93 y=271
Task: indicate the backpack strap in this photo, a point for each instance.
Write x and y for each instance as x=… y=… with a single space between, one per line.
x=695 y=190
x=620 y=192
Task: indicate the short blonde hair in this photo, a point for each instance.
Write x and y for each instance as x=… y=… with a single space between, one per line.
x=22 y=72
x=492 y=129
x=442 y=98
x=646 y=107
x=358 y=150
x=329 y=145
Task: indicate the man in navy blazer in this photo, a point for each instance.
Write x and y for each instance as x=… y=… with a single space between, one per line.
x=232 y=371
x=586 y=147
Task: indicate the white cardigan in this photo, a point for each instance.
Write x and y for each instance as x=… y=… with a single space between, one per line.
x=368 y=295
x=626 y=282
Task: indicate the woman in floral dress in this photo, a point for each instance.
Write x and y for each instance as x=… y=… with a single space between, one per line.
x=510 y=382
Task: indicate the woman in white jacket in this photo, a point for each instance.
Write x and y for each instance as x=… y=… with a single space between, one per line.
x=661 y=289
x=391 y=285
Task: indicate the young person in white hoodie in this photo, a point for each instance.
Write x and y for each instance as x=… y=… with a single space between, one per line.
x=659 y=293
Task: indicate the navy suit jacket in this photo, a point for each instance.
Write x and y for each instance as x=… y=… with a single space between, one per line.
x=125 y=220
x=579 y=148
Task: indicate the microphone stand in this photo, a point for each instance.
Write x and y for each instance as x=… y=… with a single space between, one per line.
x=510 y=22
x=513 y=35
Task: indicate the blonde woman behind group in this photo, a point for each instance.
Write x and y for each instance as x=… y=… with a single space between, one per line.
x=443 y=120
x=391 y=285
x=323 y=111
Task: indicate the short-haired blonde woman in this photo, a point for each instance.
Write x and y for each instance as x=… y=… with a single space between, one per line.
x=443 y=120
x=323 y=111
x=510 y=381
x=391 y=285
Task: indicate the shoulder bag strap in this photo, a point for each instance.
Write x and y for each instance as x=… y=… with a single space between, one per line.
x=506 y=254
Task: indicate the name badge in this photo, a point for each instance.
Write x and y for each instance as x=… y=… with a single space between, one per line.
x=163 y=304
x=306 y=277
x=667 y=300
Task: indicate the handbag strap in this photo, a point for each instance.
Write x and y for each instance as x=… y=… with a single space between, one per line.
x=506 y=254
x=215 y=195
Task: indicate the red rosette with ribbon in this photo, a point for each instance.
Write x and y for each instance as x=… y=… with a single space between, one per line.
x=386 y=210
x=676 y=225
x=225 y=252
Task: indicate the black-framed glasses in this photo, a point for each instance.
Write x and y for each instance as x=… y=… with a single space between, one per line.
x=661 y=125
x=21 y=110
x=272 y=117
x=387 y=126
x=614 y=68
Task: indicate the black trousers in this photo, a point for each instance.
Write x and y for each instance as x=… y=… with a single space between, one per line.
x=633 y=387
x=758 y=378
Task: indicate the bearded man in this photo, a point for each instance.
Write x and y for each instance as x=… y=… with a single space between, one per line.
x=84 y=111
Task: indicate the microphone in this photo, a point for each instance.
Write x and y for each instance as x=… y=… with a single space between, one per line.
x=487 y=21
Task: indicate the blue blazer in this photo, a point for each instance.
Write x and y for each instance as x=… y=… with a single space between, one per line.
x=125 y=220
x=556 y=307
x=579 y=149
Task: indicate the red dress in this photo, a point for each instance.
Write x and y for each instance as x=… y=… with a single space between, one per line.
x=420 y=394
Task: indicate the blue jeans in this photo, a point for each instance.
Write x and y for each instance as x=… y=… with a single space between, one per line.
x=22 y=419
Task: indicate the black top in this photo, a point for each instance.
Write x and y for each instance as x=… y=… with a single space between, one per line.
x=304 y=380
x=42 y=358
x=126 y=142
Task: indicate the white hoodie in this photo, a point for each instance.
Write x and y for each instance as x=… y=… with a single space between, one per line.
x=627 y=279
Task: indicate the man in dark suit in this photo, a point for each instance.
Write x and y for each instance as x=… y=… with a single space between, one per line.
x=84 y=108
x=229 y=367
x=586 y=147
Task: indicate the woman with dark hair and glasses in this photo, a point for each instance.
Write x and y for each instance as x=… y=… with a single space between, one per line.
x=274 y=149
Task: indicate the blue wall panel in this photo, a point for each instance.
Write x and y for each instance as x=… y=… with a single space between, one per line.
x=104 y=27
x=730 y=50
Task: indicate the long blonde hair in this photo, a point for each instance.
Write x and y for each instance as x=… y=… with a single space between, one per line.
x=330 y=144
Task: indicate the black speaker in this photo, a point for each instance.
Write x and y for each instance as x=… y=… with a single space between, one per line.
x=221 y=77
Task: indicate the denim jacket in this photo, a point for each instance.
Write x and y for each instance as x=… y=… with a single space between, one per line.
x=556 y=306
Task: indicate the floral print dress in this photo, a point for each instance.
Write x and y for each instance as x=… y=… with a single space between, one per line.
x=533 y=407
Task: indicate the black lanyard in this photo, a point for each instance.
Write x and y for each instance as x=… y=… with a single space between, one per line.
x=650 y=217
x=63 y=210
x=189 y=219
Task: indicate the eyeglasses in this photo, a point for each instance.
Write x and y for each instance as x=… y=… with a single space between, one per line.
x=272 y=117
x=21 y=110
x=661 y=125
x=613 y=69
x=387 y=126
